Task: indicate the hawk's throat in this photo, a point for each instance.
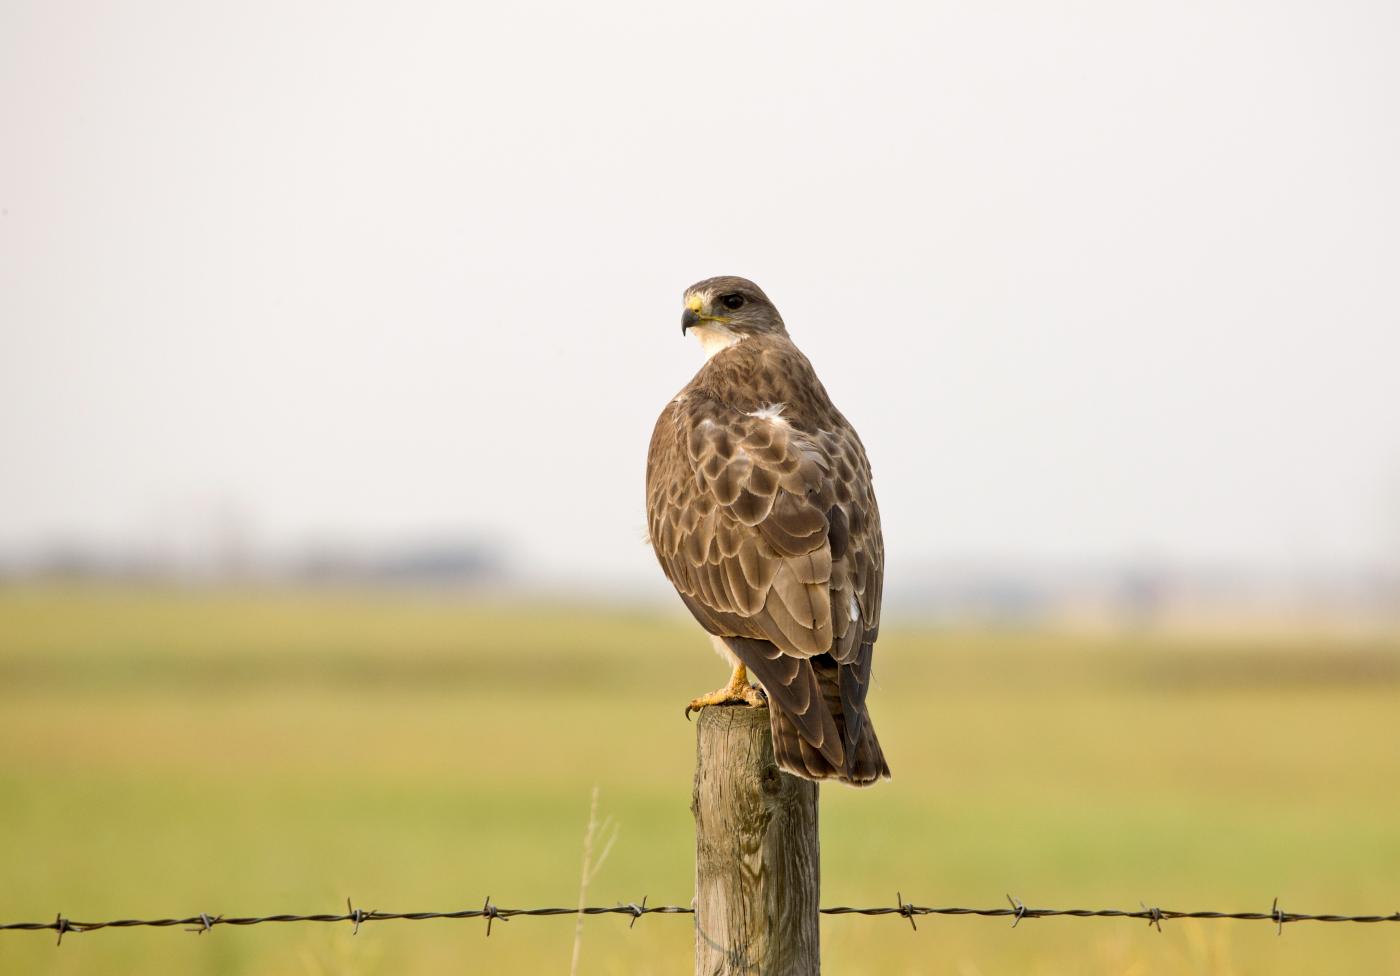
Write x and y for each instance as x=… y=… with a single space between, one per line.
x=715 y=337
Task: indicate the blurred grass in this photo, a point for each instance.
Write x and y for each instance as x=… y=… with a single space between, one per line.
x=168 y=753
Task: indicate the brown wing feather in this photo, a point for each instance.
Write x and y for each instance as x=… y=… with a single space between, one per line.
x=759 y=550
x=768 y=529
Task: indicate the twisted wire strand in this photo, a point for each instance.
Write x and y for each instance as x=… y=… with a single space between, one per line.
x=1016 y=910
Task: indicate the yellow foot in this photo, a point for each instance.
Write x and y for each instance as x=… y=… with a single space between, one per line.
x=737 y=692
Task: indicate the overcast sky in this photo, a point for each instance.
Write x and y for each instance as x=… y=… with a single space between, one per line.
x=1095 y=281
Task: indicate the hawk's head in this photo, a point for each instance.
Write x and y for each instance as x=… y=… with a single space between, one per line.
x=721 y=311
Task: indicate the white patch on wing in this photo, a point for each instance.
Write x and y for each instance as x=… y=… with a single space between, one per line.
x=715 y=337
x=854 y=612
x=770 y=411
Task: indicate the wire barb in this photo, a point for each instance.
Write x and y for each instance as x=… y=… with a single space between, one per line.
x=357 y=916
x=637 y=910
x=491 y=913
x=1020 y=910
x=906 y=910
x=1154 y=915
x=206 y=923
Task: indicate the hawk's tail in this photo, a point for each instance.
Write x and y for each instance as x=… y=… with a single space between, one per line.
x=816 y=707
x=864 y=759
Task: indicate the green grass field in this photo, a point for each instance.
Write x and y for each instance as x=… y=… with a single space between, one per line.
x=167 y=753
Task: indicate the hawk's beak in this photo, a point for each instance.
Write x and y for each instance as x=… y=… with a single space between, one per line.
x=691 y=317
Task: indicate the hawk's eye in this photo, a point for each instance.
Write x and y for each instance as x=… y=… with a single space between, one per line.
x=732 y=301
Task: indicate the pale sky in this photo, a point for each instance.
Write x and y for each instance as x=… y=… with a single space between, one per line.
x=1095 y=281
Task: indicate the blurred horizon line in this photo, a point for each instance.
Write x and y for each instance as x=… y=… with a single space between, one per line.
x=1132 y=594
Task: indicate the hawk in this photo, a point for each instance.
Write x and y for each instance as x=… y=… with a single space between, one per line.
x=761 y=511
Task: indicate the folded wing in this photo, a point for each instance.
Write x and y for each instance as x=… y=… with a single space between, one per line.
x=771 y=536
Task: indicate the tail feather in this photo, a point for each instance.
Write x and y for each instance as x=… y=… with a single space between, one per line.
x=830 y=738
x=864 y=765
x=864 y=760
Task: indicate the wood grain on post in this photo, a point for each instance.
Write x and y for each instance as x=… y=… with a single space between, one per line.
x=757 y=853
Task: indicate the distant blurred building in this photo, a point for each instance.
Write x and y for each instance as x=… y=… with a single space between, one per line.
x=1147 y=598
x=433 y=563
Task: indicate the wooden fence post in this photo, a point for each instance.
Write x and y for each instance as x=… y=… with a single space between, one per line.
x=757 y=853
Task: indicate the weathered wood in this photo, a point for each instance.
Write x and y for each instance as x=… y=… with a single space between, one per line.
x=757 y=853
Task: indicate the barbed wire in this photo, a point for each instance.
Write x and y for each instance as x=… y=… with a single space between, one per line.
x=1017 y=912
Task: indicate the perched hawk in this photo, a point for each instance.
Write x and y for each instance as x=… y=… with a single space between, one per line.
x=761 y=511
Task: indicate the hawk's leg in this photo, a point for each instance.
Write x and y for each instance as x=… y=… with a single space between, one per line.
x=737 y=692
